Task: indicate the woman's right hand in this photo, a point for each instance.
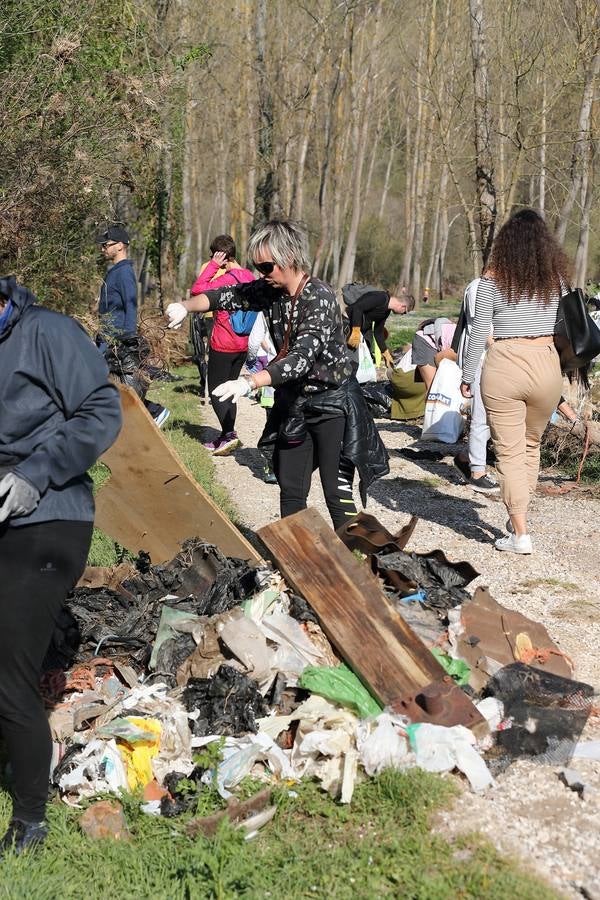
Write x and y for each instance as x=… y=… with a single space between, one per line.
x=219 y=258
x=465 y=390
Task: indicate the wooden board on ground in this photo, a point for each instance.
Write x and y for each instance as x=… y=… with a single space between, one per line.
x=356 y=615
x=151 y=502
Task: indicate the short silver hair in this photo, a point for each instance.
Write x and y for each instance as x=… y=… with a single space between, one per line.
x=285 y=240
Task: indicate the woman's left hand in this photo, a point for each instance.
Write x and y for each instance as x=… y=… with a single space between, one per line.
x=465 y=390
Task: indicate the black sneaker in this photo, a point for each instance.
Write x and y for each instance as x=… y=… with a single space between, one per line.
x=22 y=836
x=484 y=485
x=463 y=467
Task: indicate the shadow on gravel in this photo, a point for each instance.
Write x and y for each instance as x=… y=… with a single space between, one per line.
x=415 y=498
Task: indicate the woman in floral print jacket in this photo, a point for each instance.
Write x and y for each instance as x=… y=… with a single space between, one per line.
x=319 y=419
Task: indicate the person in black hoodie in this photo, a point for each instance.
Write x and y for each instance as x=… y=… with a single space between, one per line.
x=59 y=414
x=319 y=419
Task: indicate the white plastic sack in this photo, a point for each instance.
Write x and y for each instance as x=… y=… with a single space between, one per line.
x=380 y=746
x=366 y=366
x=445 y=406
x=440 y=749
x=240 y=755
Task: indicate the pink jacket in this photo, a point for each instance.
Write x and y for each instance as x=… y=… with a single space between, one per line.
x=223 y=338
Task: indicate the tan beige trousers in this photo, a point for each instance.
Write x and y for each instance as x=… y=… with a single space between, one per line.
x=521 y=384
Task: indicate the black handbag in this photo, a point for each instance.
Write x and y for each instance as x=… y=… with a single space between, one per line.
x=577 y=337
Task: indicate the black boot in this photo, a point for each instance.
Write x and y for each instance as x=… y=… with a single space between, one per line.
x=23 y=836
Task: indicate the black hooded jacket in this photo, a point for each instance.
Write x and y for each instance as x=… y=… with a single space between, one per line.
x=58 y=411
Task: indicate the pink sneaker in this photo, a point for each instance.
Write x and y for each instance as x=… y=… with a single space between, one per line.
x=227 y=444
x=211 y=446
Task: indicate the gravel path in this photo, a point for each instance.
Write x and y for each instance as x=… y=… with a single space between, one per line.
x=529 y=812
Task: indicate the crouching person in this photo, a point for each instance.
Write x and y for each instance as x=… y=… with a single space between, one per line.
x=59 y=414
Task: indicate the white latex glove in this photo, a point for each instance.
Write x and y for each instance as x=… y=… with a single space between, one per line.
x=176 y=314
x=17 y=497
x=233 y=390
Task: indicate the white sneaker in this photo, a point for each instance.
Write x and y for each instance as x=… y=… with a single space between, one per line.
x=514 y=544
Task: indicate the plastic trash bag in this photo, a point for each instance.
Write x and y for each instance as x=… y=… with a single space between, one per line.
x=366 y=367
x=445 y=407
x=340 y=684
x=439 y=749
x=239 y=757
x=380 y=746
x=456 y=668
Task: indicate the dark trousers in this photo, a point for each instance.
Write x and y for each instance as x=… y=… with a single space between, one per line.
x=201 y=330
x=224 y=367
x=321 y=449
x=39 y=565
x=374 y=327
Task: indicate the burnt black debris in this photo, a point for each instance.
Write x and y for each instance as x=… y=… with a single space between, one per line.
x=228 y=703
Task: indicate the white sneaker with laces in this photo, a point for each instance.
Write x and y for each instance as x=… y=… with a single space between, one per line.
x=514 y=544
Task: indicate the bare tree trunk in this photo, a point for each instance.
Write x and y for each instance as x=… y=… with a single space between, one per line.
x=543 y=141
x=484 y=166
x=441 y=213
x=386 y=182
x=580 y=145
x=587 y=193
x=266 y=195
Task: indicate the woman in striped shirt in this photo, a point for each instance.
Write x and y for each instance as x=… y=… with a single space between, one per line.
x=521 y=381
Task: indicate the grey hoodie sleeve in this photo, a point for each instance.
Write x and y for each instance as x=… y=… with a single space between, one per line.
x=85 y=406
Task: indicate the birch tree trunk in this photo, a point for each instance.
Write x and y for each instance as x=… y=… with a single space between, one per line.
x=266 y=200
x=587 y=194
x=581 y=142
x=484 y=164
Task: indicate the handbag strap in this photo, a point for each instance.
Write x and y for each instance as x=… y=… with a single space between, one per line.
x=286 y=337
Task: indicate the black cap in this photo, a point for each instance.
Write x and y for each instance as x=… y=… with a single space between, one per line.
x=113 y=233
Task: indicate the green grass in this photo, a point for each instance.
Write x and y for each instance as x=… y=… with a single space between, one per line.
x=182 y=430
x=381 y=845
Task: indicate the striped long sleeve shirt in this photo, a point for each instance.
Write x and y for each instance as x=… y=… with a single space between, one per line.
x=527 y=318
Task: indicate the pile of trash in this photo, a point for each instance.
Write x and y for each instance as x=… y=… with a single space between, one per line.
x=195 y=674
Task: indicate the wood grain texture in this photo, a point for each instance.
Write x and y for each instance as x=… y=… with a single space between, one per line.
x=354 y=612
x=151 y=502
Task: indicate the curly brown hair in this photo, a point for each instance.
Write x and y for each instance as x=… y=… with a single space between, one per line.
x=526 y=260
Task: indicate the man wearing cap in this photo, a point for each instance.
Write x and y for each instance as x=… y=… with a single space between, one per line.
x=118 y=300
x=118 y=294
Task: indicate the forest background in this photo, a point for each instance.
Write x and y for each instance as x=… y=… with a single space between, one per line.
x=402 y=133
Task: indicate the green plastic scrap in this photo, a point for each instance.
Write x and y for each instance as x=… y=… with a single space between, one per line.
x=457 y=668
x=340 y=684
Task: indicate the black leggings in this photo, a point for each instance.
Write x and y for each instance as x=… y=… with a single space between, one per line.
x=39 y=565
x=224 y=367
x=201 y=330
x=321 y=449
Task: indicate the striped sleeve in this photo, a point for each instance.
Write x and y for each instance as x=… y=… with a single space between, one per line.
x=484 y=310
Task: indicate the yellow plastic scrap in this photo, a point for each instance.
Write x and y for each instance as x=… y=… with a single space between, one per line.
x=137 y=756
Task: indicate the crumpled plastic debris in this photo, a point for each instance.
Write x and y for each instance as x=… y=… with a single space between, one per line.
x=340 y=684
x=444 y=582
x=94 y=769
x=439 y=749
x=138 y=741
x=226 y=704
x=381 y=746
x=456 y=668
x=239 y=757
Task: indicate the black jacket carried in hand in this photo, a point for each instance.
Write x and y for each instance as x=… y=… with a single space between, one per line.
x=59 y=412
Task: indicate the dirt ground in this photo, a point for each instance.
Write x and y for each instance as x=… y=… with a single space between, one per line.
x=529 y=812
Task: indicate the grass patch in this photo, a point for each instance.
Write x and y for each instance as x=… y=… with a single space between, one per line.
x=182 y=431
x=381 y=845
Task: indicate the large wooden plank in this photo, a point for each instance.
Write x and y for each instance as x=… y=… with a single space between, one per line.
x=151 y=502
x=354 y=612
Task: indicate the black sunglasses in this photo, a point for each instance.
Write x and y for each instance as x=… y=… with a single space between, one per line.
x=265 y=268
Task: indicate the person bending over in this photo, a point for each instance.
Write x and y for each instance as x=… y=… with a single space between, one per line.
x=368 y=316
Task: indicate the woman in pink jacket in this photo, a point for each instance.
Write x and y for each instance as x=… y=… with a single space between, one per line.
x=228 y=350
